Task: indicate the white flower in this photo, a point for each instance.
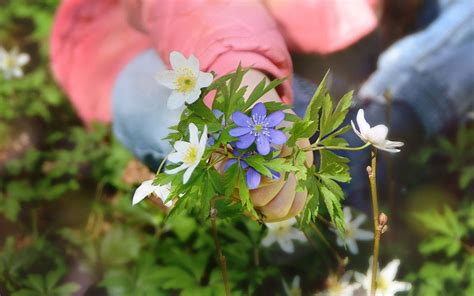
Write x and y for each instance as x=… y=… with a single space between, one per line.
x=283 y=233
x=147 y=188
x=339 y=287
x=352 y=232
x=386 y=284
x=377 y=135
x=11 y=62
x=185 y=80
x=295 y=289
x=189 y=153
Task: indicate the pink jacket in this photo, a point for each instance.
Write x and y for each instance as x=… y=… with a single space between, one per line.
x=93 y=39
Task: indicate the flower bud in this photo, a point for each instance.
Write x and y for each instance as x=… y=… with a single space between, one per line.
x=383 y=219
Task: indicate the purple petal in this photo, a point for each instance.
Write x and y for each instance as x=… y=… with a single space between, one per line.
x=240 y=119
x=275 y=174
x=259 y=110
x=229 y=163
x=239 y=131
x=263 y=145
x=245 y=141
x=275 y=118
x=217 y=113
x=253 y=178
x=277 y=137
x=243 y=164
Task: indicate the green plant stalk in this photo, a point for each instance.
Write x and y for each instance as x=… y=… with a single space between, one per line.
x=221 y=257
x=375 y=210
x=316 y=147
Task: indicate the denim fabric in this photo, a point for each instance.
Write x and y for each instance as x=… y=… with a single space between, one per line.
x=140 y=116
x=433 y=70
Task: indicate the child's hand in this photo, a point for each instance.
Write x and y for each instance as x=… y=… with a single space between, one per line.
x=277 y=199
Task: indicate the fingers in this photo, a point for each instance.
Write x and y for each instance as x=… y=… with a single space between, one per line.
x=281 y=204
x=297 y=206
x=266 y=192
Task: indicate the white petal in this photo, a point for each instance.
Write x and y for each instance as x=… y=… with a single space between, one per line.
x=361 y=234
x=204 y=79
x=340 y=241
x=347 y=215
x=352 y=246
x=286 y=245
x=192 y=96
x=297 y=234
x=203 y=141
x=145 y=189
x=378 y=134
x=181 y=146
x=176 y=100
x=23 y=59
x=269 y=239
x=358 y=220
x=177 y=60
x=397 y=286
x=167 y=78
x=188 y=173
x=390 y=271
x=193 y=64
x=176 y=157
x=193 y=134
x=177 y=170
x=290 y=222
x=393 y=144
x=392 y=150
x=357 y=132
x=364 y=126
x=17 y=72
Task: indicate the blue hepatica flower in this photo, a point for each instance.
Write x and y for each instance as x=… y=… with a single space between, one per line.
x=258 y=128
x=252 y=177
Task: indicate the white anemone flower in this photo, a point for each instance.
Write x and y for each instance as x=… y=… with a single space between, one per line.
x=352 y=232
x=186 y=80
x=283 y=233
x=11 y=62
x=386 y=283
x=147 y=188
x=339 y=287
x=188 y=153
x=294 y=289
x=377 y=135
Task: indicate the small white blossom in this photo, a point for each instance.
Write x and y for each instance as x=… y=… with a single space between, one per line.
x=352 y=231
x=386 y=283
x=147 y=188
x=295 y=289
x=339 y=287
x=11 y=62
x=188 y=153
x=284 y=233
x=186 y=80
x=377 y=135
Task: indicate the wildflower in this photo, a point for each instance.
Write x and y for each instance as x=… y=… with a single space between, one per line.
x=11 y=62
x=353 y=232
x=259 y=128
x=339 y=287
x=188 y=153
x=295 y=289
x=377 y=135
x=284 y=233
x=186 y=80
x=147 y=188
x=386 y=284
x=252 y=177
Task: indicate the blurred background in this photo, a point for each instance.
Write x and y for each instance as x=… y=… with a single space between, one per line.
x=67 y=226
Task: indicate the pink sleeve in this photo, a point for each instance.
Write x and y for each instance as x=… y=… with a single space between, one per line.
x=323 y=26
x=90 y=43
x=220 y=33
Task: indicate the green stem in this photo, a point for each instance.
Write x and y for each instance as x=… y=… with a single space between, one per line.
x=221 y=257
x=316 y=147
x=162 y=164
x=371 y=171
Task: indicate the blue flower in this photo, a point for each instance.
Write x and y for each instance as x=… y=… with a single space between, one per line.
x=258 y=128
x=252 y=177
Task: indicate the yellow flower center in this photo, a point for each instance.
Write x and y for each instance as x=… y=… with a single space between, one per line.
x=282 y=230
x=382 y=284
x=10 y=62
x=191 y=155
x=186 y=81
x=258 y=128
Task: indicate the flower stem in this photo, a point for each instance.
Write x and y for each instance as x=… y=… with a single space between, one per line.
x=371 y=171
x=162 y=164
x=316 y=147
x=221 y=257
